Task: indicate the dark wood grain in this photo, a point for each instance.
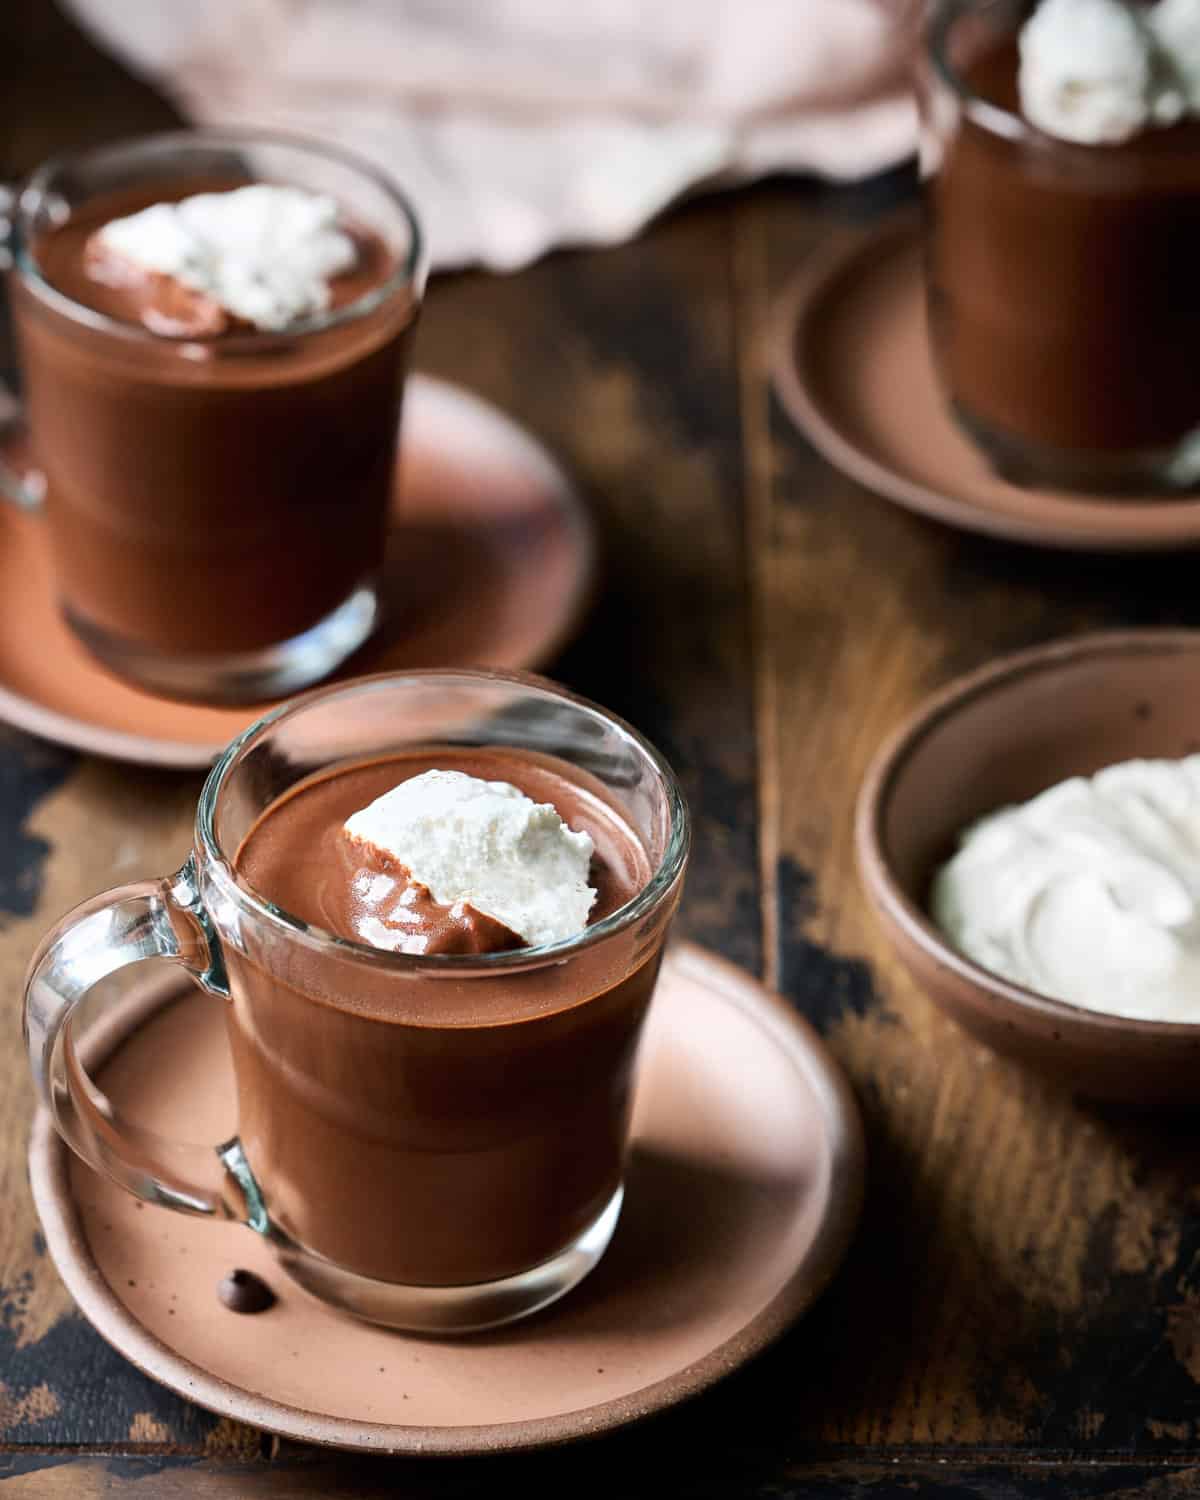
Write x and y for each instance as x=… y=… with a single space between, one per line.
x=1021 y=1314
x=320 y=1477
x=60 y=92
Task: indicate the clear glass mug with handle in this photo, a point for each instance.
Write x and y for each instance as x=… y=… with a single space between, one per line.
x=217 y=504
x=1059 y=276
x=406 y=1160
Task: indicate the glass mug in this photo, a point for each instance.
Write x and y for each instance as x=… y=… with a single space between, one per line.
x=217 y=505
x=408 y=1158
x=1060 y=277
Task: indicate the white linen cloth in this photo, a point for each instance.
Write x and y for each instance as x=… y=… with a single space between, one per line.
x=518 y=125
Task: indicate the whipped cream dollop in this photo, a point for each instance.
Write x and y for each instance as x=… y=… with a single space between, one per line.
x=1098 y=72
x=1175 y=26
x=263 y=253
x=485 y=844
x=1088 y=893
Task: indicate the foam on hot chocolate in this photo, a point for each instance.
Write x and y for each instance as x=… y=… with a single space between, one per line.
x=486 y=845
x=1099 y=72
x=1175 y=25
x=264 y=254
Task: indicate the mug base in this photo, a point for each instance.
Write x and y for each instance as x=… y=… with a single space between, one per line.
x=1150 y=472
x=446 y=1311
x=240 y=677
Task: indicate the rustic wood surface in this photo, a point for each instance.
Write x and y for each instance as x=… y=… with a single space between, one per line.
x=1021 y=1313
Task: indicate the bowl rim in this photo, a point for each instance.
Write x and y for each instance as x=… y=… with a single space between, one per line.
x=899 y=913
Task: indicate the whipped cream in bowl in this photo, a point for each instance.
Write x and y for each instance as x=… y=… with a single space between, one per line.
x=1088 y=893
x=1067 y=941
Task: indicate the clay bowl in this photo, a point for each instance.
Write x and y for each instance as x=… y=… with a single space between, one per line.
x=999 y=736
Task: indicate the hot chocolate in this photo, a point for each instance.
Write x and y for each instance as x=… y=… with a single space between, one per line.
x=477 y=1124
x=1062 y=282
x=428 y=1139
x=216 y=487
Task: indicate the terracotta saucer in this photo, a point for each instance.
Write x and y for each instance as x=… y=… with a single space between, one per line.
x=494 y=567
x=743 y=1193
x=853 y=368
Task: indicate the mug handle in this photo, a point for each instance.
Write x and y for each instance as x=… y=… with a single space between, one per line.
x=23 y=486
x=150 y=919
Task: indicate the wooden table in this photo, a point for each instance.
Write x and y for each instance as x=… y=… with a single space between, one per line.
x=1021 y=1314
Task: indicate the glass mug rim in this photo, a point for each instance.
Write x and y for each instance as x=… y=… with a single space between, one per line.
x=406 y=273
x=217 y=866
x=995 y=119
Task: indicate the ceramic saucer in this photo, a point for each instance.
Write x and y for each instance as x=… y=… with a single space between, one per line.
x=492 y=564
x=854 y=369
x=743 y=1192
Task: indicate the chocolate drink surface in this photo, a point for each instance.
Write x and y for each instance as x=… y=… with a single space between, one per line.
x=1063 y=278
x=212 y=495
x=434 y=1127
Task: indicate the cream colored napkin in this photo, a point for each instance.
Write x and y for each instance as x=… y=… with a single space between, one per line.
x=517 y=125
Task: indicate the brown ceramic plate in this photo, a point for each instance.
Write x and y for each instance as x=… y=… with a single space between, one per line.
x=854 y=370
x=1000 y=736
x=492 y=565
x=743 y=1193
